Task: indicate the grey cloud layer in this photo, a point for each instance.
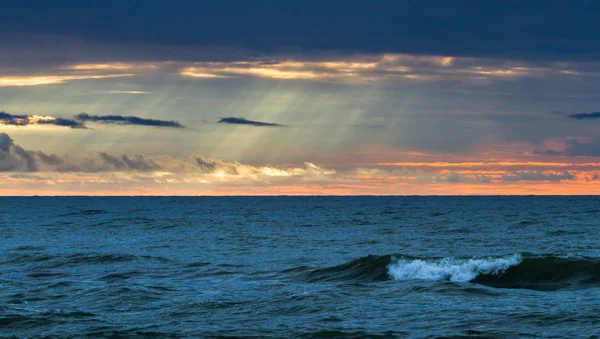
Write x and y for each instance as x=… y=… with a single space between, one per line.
x=496 y=28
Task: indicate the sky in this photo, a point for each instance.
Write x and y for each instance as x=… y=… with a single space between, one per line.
x=307 y=97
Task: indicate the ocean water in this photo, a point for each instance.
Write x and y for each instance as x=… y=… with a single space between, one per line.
x=300 y=267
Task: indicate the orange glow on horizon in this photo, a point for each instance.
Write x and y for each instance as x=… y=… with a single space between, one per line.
x=309 y=190
x=491 y=164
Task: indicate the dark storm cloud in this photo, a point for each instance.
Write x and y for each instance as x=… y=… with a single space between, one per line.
x=128 y=120
x=585 y=116
x=242 y=121
x=560 y=28
x=24 y=120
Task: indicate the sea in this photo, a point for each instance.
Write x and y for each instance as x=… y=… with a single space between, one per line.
x=300 y=267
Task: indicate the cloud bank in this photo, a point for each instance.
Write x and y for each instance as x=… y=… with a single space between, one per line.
x=14 y=158
x=24 y=171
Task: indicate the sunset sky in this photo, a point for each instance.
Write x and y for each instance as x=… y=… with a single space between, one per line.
x=299 y=97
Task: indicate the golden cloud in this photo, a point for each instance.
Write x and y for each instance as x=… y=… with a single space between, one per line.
x=373 y=68
x=37 y=80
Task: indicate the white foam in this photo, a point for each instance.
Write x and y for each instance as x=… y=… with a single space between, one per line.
x=457 y=270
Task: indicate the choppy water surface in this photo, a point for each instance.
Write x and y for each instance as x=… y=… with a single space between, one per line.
x=313 y=267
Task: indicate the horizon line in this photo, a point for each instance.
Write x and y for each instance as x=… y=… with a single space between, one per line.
x=300 y=196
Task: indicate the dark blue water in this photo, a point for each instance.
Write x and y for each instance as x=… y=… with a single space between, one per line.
x=313 y=267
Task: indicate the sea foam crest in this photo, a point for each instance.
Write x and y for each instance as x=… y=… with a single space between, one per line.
x=452 y=269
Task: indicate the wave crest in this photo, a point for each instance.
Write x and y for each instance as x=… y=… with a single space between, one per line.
x=451 y=269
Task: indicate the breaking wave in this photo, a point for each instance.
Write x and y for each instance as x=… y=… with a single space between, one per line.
x=544 y=273
x=451 y=269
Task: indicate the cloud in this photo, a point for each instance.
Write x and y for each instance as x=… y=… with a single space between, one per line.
x=14 y=158
x=377 y=67
x=585 y=116
x=364 y=68
x=5 y=142
x=15 y=120
x=538 y=176
x=455 y=177
x=575 y=148
x=80 y=119
x=37 y=80
x=506 y=176
x=115 y=66
x=101 y=161
x=242 y=121
x=128 y=120
x=25 y=120
x=549 y=152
